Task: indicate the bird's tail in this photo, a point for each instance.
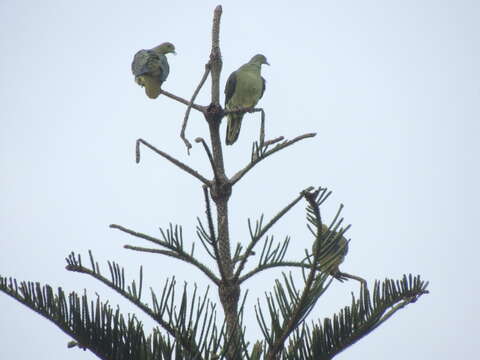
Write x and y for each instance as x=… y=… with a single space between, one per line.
x=233 y=128
x=151 y=84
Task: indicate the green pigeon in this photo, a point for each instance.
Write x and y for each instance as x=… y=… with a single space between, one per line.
x=150 y=68
x=244 y=88
x=340 y=243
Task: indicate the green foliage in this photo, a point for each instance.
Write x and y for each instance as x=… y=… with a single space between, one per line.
x=187 y=325
x=193 y=325
x=325 y=340
x=94 y=325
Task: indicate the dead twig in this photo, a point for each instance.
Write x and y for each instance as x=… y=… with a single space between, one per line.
x=216 y=56
x=187 y=113
x=183 y=101
x=235 y=178
x=209 y=154
x=170 y=158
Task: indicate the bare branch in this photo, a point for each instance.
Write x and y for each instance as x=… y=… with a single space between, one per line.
x=263 y=267
x=243 y=110
x=342 y=276
x=264 y=230
x=180 y=256
x=235 y=178
x=273 y=141
x=180 y=164
x=182 y=100
x=187 y=113
x=260 y=147
x=262 y=128
x=209 y=154
x=216 y=56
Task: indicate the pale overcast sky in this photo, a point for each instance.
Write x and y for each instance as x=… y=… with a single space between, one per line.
x=391 y=88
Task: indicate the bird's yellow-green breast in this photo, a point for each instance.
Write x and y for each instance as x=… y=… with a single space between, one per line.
x=248 y=88
x=244 y=89
x=151 y=69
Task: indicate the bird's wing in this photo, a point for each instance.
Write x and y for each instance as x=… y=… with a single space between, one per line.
x=264 y=83
x=164 y=67
x=139 y=62
x=230 y=87
x=146 y=62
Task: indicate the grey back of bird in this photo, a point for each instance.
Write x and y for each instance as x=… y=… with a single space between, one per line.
x=150 y=69
x=151 y=63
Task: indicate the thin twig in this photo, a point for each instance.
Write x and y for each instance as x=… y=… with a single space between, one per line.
x=340 y=275
x=180 y=164
x=209 y=154
x=261 y=146
x=267 y=266
x=243 y=110
x=273 y=141
x=182 y=100
x=187 y=113
x=180 y=256
x=264 y=230
x=254 y=162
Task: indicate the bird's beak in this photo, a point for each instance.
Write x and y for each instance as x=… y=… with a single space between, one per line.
x=267 y=63
x=174 y=52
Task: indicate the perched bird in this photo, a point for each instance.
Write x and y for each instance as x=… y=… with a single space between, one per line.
x=150 y=68
x=340 y=247
x=244 y=88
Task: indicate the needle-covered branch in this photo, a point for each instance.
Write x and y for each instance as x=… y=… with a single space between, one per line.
x=260 y=231
x=367 y=312
x=295 y=305
x=174 y=243
x=241 y=173
x=117 y=283
x=192 y=324
x=94 y=325
x=208 y=238
x=170 y=158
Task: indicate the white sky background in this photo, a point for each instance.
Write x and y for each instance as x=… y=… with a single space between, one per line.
x=391 y=88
